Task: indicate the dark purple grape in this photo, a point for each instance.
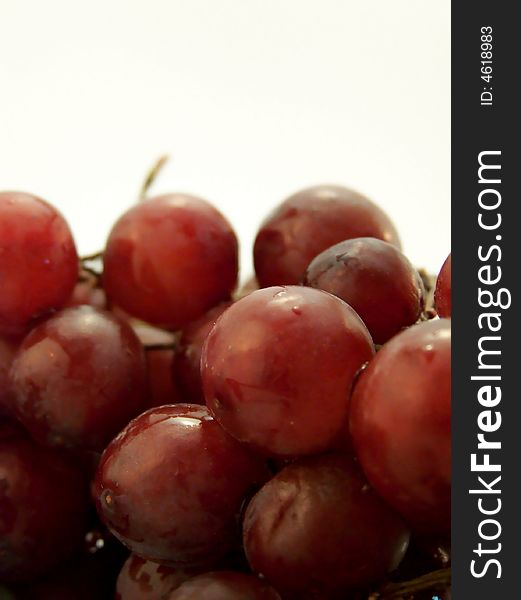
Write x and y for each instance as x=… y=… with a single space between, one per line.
x=375 y=279
x=171 y=484
x=78 y=378
x=317 y=530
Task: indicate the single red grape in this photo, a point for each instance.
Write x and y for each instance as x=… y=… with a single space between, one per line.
x=170 y=259
x=317 y=530
x=374 y=278
x=278 y=367
x=161 y=385
x=224 y=585
x=187 y=362
x=400 y=424
x=78 y=378
x=171 y=484
x=309 y=222
x=38 y=260
x=43 y=507
x=442 y=293
x=142 y=579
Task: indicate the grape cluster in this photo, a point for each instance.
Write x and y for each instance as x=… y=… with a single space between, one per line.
x=165 y=436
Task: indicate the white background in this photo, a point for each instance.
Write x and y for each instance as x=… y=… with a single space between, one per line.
x=253 y=99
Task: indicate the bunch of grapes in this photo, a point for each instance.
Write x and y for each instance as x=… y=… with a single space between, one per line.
x=165 y=436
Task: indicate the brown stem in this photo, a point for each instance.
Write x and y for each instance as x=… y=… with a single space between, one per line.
x=151 y=176
x=91 y=257
x=92 y=272
x=405 y=589
x=429 y=283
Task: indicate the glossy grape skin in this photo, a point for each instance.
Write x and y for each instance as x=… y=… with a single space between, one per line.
x=373 y=277
x=78 y=378
x=171 y=484
x=400 y=424
x=187 y=363
x=7 y=351
x=224 y=585
x=170 y=259
x=317 y=530
x=142 y=579
x=443 y=291
x=43 y=507
x=161 y=386
x=38 y=260
x=278 y=367
x=307 y=223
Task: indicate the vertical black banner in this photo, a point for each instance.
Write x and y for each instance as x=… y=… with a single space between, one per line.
x=486 y=247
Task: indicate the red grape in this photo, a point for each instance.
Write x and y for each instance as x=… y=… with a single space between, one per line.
x=142 y=579
x=170 y=259
x=43 y=507
x=309 y=222
x=317 y=530
x=38 y=260
x=78 y=378
x=400 y=424
x=170 y=485
x=373 y=277
x=161 y=386
x=442 y=293
x=224 y=585
x=187 y=363
x=278 y=367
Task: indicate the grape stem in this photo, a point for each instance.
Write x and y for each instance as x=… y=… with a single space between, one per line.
x=91 y=271
x=404 y=589
x=151 y=176
x=90 y=257
x=429 y=283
